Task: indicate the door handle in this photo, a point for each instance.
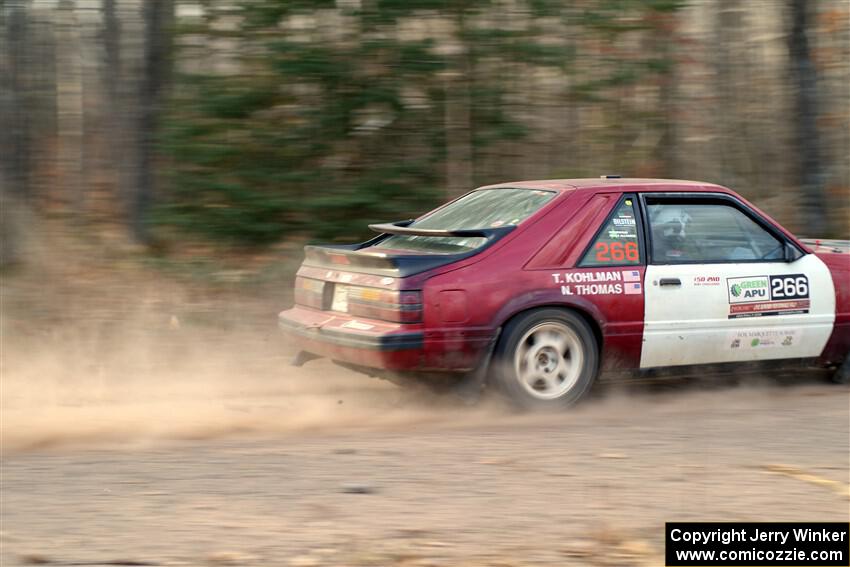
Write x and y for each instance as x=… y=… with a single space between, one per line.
x=670 y=281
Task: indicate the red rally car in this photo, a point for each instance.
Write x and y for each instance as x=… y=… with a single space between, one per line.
x=537 y=286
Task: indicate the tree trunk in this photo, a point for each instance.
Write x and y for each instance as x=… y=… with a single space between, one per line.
x=15 y=128
x=458 y=116
x=458 y=128
x=727 y=66
x=15 y=123
x=112 y=54
x=804 y=79
x=69 y=91
x=116 y=120
x=668 y=147
x=157 y=16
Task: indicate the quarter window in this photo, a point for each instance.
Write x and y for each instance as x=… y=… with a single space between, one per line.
x=617 y=243
x=707 y=232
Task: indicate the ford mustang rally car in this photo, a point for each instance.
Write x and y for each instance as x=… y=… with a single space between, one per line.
x=537 y=286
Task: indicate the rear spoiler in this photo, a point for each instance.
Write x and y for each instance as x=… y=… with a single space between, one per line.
x=402 y=228
x=352 y=258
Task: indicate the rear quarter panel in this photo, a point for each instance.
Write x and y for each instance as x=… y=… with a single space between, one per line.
x=528 y=272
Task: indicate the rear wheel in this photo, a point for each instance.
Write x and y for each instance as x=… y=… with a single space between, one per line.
x=842 y=373
x=546 y=359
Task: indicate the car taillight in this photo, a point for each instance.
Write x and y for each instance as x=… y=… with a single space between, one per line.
x=370 y=302
x=310 y=292
x=387 y=305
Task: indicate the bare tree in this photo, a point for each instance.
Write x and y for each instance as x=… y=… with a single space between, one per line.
x=458 y=128
x=804 y=78
x=16 y=125
x=15 y=128
x=112 y=54
x=729 y=66
x=663 y=42
x=70 y=109
x=157 y=17
x=458 y=115
x=116 y=88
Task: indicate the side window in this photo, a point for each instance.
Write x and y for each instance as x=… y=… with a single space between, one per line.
x=707 y=232
x=617 y=243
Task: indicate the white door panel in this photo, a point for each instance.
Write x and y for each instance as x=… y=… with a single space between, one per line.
x=737 y=312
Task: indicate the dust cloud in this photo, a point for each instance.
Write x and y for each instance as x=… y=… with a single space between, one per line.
x=130 y=384
x=96 y=356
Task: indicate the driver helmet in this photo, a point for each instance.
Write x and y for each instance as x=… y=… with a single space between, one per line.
x=673 y=228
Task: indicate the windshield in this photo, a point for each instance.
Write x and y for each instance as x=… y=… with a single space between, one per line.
x=486 y=208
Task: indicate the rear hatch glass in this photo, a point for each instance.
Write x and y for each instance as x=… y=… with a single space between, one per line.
x=485 y=208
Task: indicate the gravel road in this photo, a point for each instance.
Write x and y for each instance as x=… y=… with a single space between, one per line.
x=373 y=477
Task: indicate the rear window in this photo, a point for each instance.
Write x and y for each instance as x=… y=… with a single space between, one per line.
x=487 y=208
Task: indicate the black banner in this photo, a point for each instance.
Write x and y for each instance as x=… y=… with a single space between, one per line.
x=762 y=544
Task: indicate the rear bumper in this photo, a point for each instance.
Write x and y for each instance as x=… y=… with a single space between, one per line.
x=382 y=345
x=331 y=337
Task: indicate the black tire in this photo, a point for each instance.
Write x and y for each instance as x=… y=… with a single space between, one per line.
x=546 y=359
x=842 y=373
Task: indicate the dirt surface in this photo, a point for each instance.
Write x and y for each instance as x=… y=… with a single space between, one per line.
x=149 y=421
x=330 y=468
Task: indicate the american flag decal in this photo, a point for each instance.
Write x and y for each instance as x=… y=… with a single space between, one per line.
x=632 y=289
x=632 y=276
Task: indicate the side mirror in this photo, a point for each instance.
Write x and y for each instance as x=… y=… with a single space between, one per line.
x=790 y=253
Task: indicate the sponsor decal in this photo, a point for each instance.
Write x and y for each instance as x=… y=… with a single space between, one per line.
x=599 y=283
x=632 y=288
x=794 y=286
x=614 y=234
x=756 y=296
x=624 y=221
x=769 y=308
x=617 y=252
x=706 y=280
x=587 y=277
x=592 y=289
x=759 y=339
x=748 y=290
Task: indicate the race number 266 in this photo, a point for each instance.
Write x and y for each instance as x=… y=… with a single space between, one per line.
x=794 y=286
